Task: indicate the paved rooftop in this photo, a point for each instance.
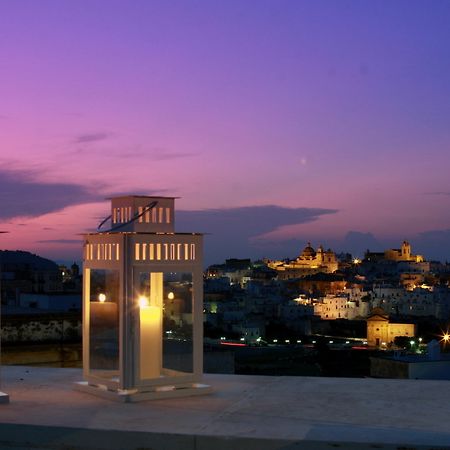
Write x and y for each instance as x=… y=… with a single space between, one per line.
x=257 y=412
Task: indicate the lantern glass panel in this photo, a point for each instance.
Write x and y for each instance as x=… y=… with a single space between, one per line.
x=178 y=324
x=166 y=327
x=104 y=323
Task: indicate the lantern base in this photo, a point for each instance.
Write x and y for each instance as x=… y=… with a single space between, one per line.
x=135 y=395
x=4 y=398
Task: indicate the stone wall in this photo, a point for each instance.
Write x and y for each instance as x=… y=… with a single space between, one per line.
x=61 y=327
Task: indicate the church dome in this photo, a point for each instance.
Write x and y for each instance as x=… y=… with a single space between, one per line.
x=378 y=312
x=308 y=252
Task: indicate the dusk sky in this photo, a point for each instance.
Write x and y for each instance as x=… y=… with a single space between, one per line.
x=276 y=122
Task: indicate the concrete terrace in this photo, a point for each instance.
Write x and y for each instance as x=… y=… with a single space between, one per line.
x=245 y=412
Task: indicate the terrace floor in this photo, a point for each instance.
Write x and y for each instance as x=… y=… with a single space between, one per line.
x=244 y=412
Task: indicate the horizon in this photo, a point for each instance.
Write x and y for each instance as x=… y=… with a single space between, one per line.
x=278 y=125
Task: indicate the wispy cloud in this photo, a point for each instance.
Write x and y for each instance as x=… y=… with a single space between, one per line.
x=22 y=195
x=155 y=154
x=443 y=193
x=167 y=156
x=91 y=137
x=60 y=241
x=231 y=232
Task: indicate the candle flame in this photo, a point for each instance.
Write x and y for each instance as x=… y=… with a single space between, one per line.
x=143 y=301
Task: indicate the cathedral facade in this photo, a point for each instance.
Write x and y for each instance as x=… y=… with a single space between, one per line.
x=309 y=261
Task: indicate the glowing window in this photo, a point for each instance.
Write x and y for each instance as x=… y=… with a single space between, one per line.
x=151 y=251
x=166 y=251
x=140 y=211
x=192 y=251
x=186 y=251
x=167 y=215
x=136 y=252
x=158 y=252
x=160 y=215
x=144 y=252
x=154 y=215
x=172 y=251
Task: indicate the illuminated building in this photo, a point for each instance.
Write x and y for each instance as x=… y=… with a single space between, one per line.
x=402 y=254
x=381 y=332
x=308 y=262
x=334 y=307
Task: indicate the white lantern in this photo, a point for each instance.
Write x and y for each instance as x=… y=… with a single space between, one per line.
x=142 y=304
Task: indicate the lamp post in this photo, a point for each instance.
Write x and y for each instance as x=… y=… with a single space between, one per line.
x=4 y=398
x=142 y=304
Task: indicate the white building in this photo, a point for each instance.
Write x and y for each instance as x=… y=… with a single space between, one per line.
x=334 y=307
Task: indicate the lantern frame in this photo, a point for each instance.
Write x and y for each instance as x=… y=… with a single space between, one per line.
x=131 y=252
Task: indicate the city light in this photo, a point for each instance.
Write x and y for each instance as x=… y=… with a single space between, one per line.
x=101 y=298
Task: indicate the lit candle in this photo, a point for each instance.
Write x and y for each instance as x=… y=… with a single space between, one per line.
x=150 y=340
x=103 y=314
x=104 y=321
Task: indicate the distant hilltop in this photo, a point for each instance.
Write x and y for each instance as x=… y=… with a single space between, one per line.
x=10 y=259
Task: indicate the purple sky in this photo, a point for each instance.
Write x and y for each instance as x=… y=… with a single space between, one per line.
x=338 y=113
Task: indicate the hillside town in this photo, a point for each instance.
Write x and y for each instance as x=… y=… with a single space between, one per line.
x=266 y=302
x=250 y=300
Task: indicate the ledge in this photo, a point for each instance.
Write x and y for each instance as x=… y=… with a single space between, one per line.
x=254 y=412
